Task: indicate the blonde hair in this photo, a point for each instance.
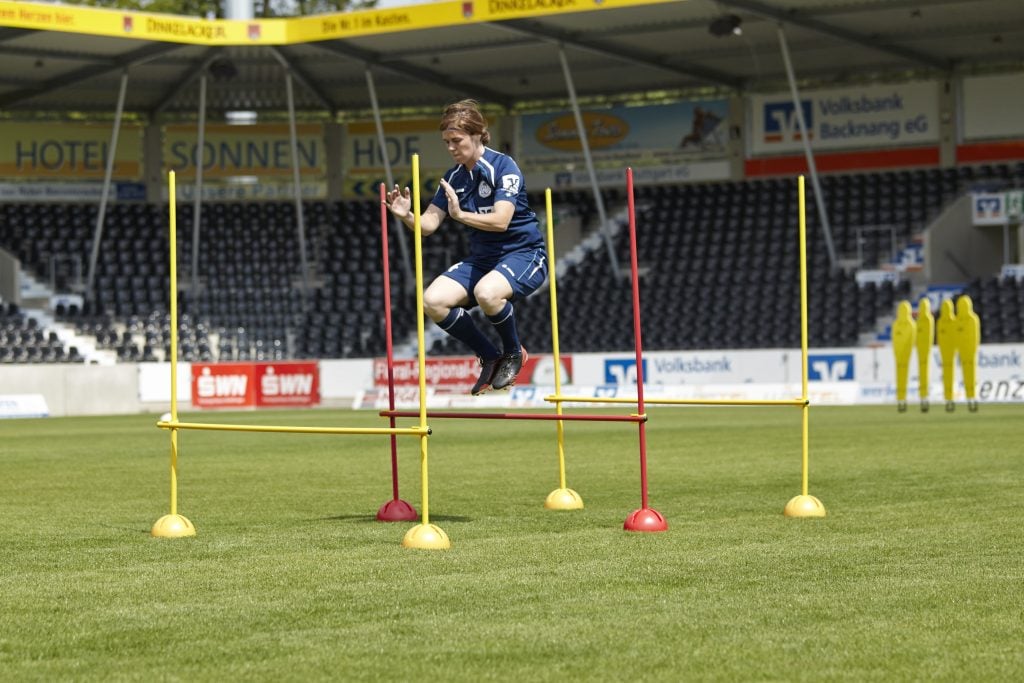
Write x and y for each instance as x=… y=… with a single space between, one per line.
x=465 y=116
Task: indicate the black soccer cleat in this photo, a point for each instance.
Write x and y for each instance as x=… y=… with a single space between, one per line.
x=487 y=372
x=508 y=369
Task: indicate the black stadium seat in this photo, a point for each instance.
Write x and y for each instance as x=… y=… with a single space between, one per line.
x=719 y=269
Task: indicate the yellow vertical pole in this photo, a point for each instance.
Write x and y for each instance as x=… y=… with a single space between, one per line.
x=804 y=505
x=172 y=199
x=418 y=237
x=805 y=409
x=425 y=535
x=562 y=498
x=553 y=293
x=173 y=525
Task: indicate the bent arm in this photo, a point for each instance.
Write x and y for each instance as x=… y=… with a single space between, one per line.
x=430 y=220
x=496 y=221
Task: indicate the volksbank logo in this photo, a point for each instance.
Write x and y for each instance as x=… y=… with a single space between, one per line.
x=621 y=371
x=989 y=206
x=781 y=124
x=830 y=367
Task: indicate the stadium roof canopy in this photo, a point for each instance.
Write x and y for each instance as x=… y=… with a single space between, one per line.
x=503 y=52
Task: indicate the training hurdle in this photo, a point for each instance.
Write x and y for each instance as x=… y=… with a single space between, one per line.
x=563 y=498
x=803 y=505
x=173 y=525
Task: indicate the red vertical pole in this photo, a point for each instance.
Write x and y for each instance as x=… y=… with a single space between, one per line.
x=395 y=510
x=644 y=519
x=387 y=334
x=635 y=272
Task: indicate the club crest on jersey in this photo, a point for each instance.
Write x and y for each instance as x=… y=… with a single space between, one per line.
x=484 y=190
x=510 y=184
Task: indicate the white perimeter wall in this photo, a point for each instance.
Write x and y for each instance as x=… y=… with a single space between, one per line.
x=836 y=376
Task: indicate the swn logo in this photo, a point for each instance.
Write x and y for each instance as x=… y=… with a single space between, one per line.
x=621 y=371
x=272 y=384
x=781 y=124
x=830 y=367
x=221 y=386
x=287 y=384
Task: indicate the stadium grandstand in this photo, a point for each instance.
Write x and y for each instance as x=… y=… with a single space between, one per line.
x=716 y=140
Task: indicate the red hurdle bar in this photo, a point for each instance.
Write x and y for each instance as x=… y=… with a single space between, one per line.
x=515 y=416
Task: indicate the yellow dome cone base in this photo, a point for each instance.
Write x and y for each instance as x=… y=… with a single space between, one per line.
x=426 y=537
x=804 y=506
x=563 y=499
x=173 y=526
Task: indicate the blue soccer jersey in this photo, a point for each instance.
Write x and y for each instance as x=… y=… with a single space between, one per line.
x=496 y=177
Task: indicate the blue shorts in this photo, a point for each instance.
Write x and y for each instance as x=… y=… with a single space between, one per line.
x=524 y=270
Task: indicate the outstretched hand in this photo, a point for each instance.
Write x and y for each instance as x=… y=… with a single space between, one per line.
x=454 y=208
x=399 y=202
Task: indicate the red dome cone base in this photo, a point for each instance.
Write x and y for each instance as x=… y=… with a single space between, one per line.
x=645 y=519
x=397 y=510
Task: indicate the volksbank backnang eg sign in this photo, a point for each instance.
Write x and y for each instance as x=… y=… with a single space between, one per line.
x=872 y=116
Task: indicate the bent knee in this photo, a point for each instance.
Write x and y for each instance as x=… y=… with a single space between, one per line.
x=435 y=306
x=488 y=295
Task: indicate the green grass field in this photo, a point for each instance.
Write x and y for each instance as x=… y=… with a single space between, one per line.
x=915 y=574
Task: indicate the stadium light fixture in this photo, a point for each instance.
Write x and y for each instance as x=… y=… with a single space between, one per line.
x=726 y=25
x=241 y=117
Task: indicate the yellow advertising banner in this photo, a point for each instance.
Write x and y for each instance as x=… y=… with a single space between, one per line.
x=262 y=150
x=197 y=31
x=71 y=151
x=370 y=22
x=402 y=139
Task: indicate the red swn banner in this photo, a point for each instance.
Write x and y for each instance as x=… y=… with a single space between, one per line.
x=462 y=371
x=245 y=385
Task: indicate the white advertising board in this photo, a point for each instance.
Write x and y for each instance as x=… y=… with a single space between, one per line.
x=840 y=376
x=683 y=172
x=996 y=208
x=992 y=107
x=872 y=116
x=23 y=405
x=155 y=382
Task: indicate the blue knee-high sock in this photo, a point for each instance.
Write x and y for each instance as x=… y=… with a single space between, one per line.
x=459 y=324
x=505 y=323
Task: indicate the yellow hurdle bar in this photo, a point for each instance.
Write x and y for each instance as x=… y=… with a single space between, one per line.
x=682 y=401
x=414 y=431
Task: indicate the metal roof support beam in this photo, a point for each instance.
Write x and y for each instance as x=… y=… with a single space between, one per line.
x=585 y=145
x=419 y=74
x=819 y=198
x=798 y=19
x=39 y=53
x=208 y=57
x=143 y=54
x=563 y=38
x=197 y=200
x=304 y=78
x=97 y=234
x=7 y=33
x=403 y=244
x=300 y=222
